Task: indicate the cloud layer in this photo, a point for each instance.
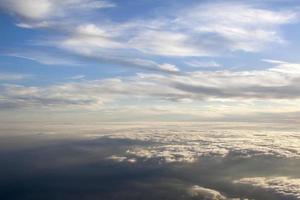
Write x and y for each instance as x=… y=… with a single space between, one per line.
x=286 y=187
x=278 y=83
x=188 y=143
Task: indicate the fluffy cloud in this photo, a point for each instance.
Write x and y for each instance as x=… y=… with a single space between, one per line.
x=284 y=186
x=187 y=143
x=38 y=10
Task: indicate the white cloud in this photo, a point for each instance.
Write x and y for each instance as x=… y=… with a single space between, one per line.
x=121 y=159
x=191 y=31
x=31 y=9
x=236 y=25
x=11 y=76
x=188 y=143
x=46 y=59
x=103 y=45
x=285 y=186
x=89 y=37
x=197 y=63
x=105 y=50
x=164 y=43
x=117 y=158
x=205 y=193
x=77 y=77
x=209 y=29
x=278 y=83
x=274 y=61
x=169 y=67
x=55 y=96
x=89 y=44
x=37 y=10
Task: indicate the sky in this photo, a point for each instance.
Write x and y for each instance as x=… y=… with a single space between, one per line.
x=149 y=60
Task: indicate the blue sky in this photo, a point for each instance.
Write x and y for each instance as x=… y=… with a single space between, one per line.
x=150 y=60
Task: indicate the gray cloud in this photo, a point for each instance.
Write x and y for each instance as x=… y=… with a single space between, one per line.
x=290 y=91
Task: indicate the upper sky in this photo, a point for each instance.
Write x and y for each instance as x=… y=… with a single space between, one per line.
x=143 y=60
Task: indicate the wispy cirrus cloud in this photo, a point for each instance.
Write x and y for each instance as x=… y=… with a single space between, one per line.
x=237 y=24
x=12 y=76
x=195 y=31
x=192 y=31
x=279 y=82
x=77 y=77
x=44 y=58
x=156 y=46
x=189 y=33
x=204 y=64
